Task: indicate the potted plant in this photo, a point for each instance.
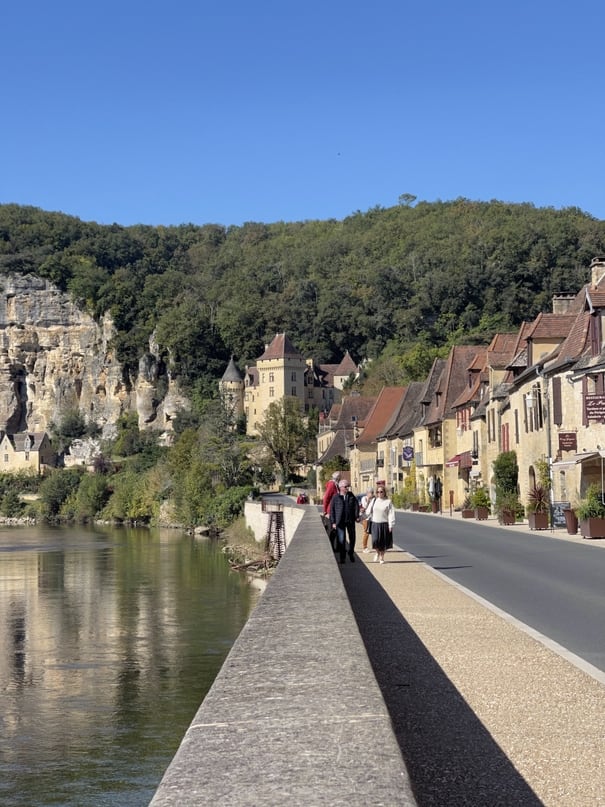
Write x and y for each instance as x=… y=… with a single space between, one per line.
x=481 y=504
x=538 y=507
x=571 y=520
x=507 y=506
x=506 y=474
x=467 y=510
x=591 y=513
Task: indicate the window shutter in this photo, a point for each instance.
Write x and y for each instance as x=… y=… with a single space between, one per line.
x=557 y=409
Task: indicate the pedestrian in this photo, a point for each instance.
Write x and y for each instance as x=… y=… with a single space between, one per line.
x=344 y=515
x=366 y=510
x=383 y=521
x=331 y=490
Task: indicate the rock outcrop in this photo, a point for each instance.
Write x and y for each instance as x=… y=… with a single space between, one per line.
x=54 y=358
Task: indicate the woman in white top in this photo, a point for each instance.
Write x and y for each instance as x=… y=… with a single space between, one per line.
x=383 y=521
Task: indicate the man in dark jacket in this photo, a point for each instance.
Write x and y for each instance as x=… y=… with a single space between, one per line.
x=344 y=514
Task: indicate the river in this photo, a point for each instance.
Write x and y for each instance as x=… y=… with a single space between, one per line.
x=109 y=640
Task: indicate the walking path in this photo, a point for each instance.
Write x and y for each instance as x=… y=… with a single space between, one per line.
x=486 y=711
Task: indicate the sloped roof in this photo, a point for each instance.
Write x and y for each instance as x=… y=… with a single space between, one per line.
x=346 y=366
x=354 y=409
x=35 y=440
x=430 y=386
x=409 y=412
x=280 y=348
x=576 y=343
x=337 y=447
x=452 y=381
x=389 y=400
x=232 y=373
x=500 y=350
x=550 y=326
x=519 y=357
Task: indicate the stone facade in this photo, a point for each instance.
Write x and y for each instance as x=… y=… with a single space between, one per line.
x=282 y=371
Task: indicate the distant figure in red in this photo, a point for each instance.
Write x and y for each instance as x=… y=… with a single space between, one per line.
x=331 y=491
x=302 y=499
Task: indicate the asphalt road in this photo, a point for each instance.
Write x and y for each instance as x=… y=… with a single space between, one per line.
x=555 y=586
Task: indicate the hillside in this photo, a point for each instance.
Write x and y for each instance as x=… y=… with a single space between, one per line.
x=433 y=272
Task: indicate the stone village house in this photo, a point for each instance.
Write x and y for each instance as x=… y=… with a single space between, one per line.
x=26 y=451
x=539 y=392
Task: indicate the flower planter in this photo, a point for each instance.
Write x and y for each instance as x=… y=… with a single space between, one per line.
x=507 y=518
x=481 y=513
x=592 y=528
x=423 y=508
x=537 y=521
x=571 y=522
x=415 y=507
x=434 y=506
x=467 y=513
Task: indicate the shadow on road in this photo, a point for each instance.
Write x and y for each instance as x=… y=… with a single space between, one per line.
x=451 y=758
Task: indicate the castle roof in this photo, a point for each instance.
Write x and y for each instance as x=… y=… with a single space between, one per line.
x=232 y=373
x=280 y=348
x=346 y=366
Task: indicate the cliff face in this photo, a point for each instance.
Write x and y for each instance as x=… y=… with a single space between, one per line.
x=55 y=358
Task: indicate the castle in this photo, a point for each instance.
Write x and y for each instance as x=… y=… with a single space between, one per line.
x=282 y=371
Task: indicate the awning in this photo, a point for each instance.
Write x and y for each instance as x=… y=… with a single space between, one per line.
x=583 y=456
x=466 y=459
x=463 y=460
x=586 y=456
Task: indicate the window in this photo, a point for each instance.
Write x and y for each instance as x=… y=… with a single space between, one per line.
x=271 y=392
x=6 y=458
x=293 y=378
x=294 y=392
x=271 y=378
x=27 y=455
x=435 y=437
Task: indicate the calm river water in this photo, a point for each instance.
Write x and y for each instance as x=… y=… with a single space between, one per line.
x=109 y=641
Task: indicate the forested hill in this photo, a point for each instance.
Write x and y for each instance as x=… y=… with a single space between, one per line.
x=433 y=272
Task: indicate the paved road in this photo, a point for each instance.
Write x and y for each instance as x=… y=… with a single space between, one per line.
x=486 y=714
x=555 y=586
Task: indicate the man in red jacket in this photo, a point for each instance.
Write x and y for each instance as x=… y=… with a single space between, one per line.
x=331 y=491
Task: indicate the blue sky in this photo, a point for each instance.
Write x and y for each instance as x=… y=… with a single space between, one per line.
x=207 y=112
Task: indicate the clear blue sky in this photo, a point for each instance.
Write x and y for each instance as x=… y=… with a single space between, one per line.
x=233 y=111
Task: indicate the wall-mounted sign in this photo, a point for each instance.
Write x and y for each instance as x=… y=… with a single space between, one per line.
x=595 y=407
x=408 y=453
x=568 y=441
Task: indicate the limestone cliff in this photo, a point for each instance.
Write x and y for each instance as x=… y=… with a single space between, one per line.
x=54 y=358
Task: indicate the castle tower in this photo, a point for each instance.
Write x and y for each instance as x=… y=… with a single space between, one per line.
x=231 y=389
x=281 y=372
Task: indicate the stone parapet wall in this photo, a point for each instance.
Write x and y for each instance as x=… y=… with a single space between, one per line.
x=295 y=715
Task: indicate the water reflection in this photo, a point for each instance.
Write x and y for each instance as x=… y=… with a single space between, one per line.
x=109 y=641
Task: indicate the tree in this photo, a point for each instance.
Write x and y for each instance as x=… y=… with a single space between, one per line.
x=283 y=432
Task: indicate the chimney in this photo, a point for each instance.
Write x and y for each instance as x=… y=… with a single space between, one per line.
x=562 y=302
x=597 y=270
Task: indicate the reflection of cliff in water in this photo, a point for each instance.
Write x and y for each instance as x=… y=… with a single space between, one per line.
x=110 y=639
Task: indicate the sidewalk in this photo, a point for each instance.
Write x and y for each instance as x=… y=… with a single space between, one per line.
x=486 y=711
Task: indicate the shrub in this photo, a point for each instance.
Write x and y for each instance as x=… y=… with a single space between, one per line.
x=591 y=506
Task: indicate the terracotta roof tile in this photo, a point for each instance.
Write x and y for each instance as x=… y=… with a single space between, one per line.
x=388 y=400
x=279 y=348
x=551 y=326
x=409 y=412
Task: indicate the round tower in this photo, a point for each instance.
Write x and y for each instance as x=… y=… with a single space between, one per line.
x=231 y=388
